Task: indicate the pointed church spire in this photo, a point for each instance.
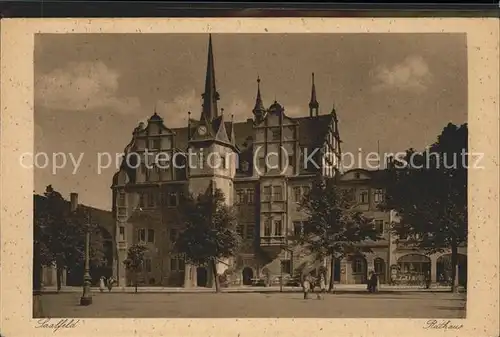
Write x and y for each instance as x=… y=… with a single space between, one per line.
x=313 y=104
x=259 y=110
x=210 y=96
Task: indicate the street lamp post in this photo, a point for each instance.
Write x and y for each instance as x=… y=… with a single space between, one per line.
x=86 y=298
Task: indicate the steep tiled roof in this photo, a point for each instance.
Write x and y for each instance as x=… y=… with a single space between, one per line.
x=312 y=131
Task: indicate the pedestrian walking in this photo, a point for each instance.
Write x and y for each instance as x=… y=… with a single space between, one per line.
x=111 y=283
x=101 y=284
x=322 y=286
x=306 y=286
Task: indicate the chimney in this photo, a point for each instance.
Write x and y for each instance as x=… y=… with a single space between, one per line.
x=74 y=201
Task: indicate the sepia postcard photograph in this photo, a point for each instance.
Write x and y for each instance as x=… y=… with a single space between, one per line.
x=252 y=173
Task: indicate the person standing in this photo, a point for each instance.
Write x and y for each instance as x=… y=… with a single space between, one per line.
x=306 y=286
x=101 y=284
x=322 y=285
x=111 y=282
x=373 y=282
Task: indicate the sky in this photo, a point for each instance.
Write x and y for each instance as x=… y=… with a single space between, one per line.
x=391 y=91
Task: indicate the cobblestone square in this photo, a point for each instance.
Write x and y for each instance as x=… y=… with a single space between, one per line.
x=257 y=305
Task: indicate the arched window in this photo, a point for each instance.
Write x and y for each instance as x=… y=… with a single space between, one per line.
x=358 y=265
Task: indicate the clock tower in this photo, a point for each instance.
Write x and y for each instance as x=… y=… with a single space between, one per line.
x=212 y=154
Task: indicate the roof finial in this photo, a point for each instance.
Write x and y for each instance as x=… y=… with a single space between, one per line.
x=313 y=104
x=258 y=110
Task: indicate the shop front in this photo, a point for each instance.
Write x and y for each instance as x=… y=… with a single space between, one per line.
x=411 y=269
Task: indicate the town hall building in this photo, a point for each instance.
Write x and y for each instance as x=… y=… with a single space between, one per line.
x=264 y=179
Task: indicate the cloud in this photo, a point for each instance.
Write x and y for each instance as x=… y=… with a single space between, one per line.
x=175 y=112
x=411 y=75
x=82 y=86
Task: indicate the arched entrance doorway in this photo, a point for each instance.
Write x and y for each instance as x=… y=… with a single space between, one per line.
x=444 y=270
x=413 y=269
x=336 y=271
x=359 y=269
x=379 y=266
x=247 y=275
x=201 y=277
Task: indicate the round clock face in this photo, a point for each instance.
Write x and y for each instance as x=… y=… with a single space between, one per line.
x=202 y=130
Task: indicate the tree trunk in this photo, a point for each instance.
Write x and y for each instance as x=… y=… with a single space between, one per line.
x=332 y=274
x=214 y=272
x=454 y=266
x=136 y=282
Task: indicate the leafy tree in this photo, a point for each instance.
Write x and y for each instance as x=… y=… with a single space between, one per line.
x=135 y=261
x=59 y=234
x=210 y=231
x=429 y=193
x=334 y=228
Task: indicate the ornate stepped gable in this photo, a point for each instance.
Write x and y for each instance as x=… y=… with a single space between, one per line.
x=238 y=135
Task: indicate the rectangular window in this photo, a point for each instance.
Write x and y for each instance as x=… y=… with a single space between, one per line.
x=121 y=199
x=142 y=235
x=172 y=199
x=363 y=196
x=122 y=211
x=173 y=264
x=357 y=266
x=275 y=134
x=240 y=194
x=277 y=193
x=173 y=235
x=250 y=196
x=177 y=264
x=122 y=233
x=378 y=195
x=148 y=265
x=267 y=228
x=161 y=198
x=181 y=264
x=278 y=230
x=240 y=230
x=223 y=162
x=379 y=226
x=302 y=156
x=151 y=199
x=296 y=194
x=297 y=228
x=155 y=144
x=151 y=235
x=286 y=266
x=305 y=191
x=141 y=200
x=250 y=229
x=267 y=193
x=291 y=161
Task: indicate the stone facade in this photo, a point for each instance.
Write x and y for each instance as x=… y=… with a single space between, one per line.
x=268 y=163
